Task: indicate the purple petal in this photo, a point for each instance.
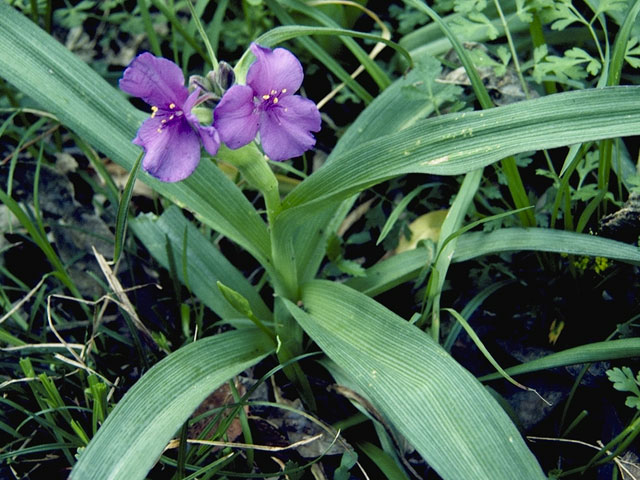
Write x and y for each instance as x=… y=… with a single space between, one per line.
x=285 y=130
x=210 y=138
x=191 y=100
x=274 y=70
x=171 y=154
x=157 y=81
x=235 y=117
x=208 y=135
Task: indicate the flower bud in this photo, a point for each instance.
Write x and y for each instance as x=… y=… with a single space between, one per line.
x=198 y=81
x=222 y=78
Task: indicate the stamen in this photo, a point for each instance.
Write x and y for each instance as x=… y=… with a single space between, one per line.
x=273 y=92
x=154 y=110
x=284 y=90
x=171 y=116
x=172 y=106
x=159 y=130
x=265 y=97
x=275 y=100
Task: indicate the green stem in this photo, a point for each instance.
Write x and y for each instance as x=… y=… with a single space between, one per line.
x=212 y=56
x=537 y=37
x=253 y=166
x=178 y=27
x=620 y=45
x=256 y=171
x=267 y=331
x=148 y=27
x=512 y=48
x=604 y=166
x=622 y=440
x=518 y=192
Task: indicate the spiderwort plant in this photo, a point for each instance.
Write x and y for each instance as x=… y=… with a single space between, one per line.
x=267 y=104
x=172 y=136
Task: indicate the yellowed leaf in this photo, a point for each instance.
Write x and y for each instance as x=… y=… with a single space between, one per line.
x=425 y=227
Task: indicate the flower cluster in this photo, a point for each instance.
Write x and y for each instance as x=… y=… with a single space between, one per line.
x=266 y=105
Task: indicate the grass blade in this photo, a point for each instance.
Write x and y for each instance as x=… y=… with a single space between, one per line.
x=475 y=244
x=123 y=209
x=592 y=352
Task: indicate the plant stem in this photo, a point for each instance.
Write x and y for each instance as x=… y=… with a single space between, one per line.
x=512 y=48
x=253 y=166
x=537 y=37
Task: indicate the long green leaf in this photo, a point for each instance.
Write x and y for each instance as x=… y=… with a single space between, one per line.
x=395 y=109
x=132 y=438
x=448 y=145
x=447 y=244
x=479 y=88
x=123 y=209
x=205 y=264
x=620 y=45
x=455 y=144
x=461 y=142
x=392 y=272
x=383 y=461
x=475 y=244
x=426 y=395
x=407 y=265
x=43 y=69
x=40 y=240
x=592 y=352
x=429 y=41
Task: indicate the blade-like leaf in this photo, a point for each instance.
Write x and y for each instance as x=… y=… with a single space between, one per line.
x=205 y=264
x=426 y=395
x=461 y=142
x=141 y=425
x=429 y=41
x=399 y=106
x=407 y=265
x=123 y=209
x=475 y=244
x=592 y=352
x=456 y=144
x=393 y=271
x=62 y=84
x=620 y=45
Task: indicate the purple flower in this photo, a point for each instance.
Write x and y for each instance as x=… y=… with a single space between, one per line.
x=171 y=137
x=267 y=104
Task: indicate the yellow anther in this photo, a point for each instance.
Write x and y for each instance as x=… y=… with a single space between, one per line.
x=265 y=97
x=159 y=130
x=171 y=116
x=273 y=92
x=154 y=110
x=164 y=120
x=284 y=90
x=172 y=106
x=275 y=99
